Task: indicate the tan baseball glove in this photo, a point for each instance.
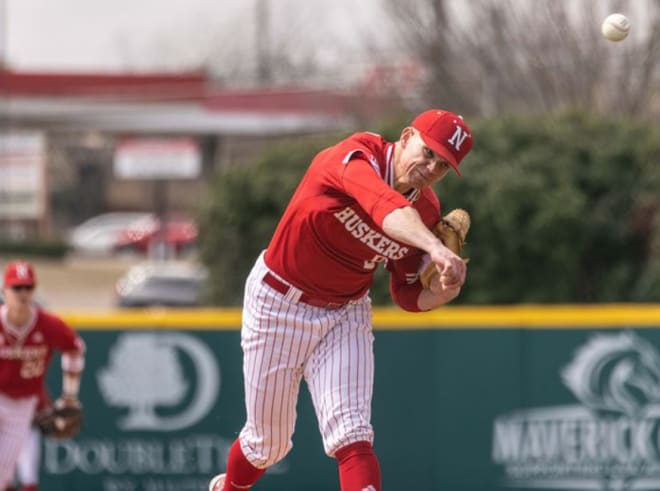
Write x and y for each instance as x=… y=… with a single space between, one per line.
x=62 y=420
x=451 y=230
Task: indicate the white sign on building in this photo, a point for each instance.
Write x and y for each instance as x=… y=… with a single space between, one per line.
x=157 y=158
x=22 y=175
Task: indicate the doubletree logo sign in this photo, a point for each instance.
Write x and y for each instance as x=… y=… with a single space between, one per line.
x=146 y=375
x=609 y=441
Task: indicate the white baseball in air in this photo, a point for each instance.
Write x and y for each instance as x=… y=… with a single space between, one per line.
x=615 y=27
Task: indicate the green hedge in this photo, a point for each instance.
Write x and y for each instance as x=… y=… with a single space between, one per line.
x=565 y=209
x=48 y=249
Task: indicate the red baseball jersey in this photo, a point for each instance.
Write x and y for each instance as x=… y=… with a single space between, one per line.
x=330 y=238
x=25 y=353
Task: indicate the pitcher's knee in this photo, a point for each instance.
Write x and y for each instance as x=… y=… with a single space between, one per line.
x=264 y=452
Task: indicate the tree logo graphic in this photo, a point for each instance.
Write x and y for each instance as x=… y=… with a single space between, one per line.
x=145 y=372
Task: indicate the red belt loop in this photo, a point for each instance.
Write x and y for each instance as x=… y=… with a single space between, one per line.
x=278 y=285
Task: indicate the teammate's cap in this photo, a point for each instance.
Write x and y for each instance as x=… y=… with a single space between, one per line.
x=446 y=134
x=19 y=273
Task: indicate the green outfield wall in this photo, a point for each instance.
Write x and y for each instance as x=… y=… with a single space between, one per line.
x=465 y=399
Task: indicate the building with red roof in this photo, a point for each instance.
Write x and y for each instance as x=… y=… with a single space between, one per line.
x=84 y=117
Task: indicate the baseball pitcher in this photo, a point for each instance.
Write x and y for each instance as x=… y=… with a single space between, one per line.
x=307 y=313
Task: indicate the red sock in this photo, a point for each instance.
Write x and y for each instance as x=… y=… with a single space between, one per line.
x=358 y=467
x=29 y=487
x=241 y=474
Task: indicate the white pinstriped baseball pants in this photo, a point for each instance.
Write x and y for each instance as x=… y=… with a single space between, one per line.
x=283 y=341
x=29 y=459
x=15 y=421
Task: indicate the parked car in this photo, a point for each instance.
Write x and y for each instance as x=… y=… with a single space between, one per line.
x=99 y=234
x=162 y=283
x=179 y=235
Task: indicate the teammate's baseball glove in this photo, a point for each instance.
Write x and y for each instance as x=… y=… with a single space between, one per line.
x=451 y=230
x=62 y=420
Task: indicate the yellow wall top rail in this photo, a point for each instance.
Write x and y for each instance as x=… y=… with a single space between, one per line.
x=481 y=317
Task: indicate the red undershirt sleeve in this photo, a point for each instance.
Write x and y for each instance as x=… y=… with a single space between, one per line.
x=405 y=286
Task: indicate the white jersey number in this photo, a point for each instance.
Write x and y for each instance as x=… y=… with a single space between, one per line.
x=33 y=368
x=371 y=263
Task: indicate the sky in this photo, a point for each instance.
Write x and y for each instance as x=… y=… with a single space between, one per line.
x=119 y=35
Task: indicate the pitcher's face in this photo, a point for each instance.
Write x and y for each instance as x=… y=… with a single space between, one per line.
x=417 y=166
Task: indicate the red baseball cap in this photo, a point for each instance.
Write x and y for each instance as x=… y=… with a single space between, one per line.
x=19 y=273
x=446 y=134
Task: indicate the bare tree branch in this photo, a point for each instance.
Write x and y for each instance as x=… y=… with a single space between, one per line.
x=493 y=56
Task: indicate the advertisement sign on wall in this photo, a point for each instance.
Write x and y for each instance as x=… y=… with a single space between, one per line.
x=144 y=431
x=461 y=409
x=608 y=439
x=159 y=414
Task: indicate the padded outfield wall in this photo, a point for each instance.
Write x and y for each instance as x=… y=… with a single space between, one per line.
x=465 y=399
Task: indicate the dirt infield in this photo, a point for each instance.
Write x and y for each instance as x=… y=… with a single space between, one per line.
x=78 y=283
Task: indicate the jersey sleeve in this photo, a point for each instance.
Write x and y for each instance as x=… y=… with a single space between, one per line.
x=361 y=181
x=62 y=337
x=405 y=286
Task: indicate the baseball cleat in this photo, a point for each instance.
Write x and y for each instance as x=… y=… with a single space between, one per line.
x=217 y=483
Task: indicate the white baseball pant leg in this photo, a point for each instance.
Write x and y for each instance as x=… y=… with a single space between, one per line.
x=280 y=336
x=27 y=467
x=15 y=422
x=340 y=377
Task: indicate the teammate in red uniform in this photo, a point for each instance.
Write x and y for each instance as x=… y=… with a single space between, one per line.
x=28 y=337
x=306 y=310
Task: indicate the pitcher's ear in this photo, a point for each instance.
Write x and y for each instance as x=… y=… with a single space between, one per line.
x=406 y=133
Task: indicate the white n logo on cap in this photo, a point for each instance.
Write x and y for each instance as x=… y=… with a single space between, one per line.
x=458 y=138
x=22 y=271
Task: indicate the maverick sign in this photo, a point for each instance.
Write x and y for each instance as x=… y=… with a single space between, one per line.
x=608 y=440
